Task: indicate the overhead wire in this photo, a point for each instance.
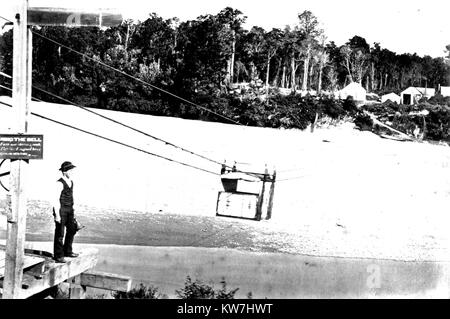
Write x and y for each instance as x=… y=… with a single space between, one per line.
x=141 y=81
x=130 y=76
x=137 y=79
x=10 y=89
x=118 y=122
x=193 y=243
x=130 y=127
x=293 y=169
x=290 y=178
x=116 y=142
x=5 y=87
x=145 y=83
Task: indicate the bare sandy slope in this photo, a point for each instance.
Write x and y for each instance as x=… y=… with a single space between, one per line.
x=357 y=195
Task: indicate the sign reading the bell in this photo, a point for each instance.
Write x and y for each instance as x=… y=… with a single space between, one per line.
x=72 y=17
x=19 y=146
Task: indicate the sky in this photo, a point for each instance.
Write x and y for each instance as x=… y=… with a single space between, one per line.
x=402 y=26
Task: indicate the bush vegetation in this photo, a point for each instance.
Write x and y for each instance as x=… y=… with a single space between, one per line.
x=140 y=292
x=199 y=290
x=431 y=117
x=191 y=290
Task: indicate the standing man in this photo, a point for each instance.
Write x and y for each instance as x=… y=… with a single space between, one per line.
x=63 y=214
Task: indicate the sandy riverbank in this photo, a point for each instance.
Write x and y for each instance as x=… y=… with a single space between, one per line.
x=271 y=275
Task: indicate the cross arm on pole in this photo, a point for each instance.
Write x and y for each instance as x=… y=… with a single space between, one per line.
x=73 y=17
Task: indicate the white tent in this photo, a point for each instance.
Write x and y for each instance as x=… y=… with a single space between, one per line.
x=445 y=91
x=354 y=90
x=391 y=96
x=413 y=94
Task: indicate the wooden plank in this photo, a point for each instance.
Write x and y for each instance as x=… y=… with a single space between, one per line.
x=259 y=206
x=271 y=194
x=57 y=273
x=237 y=205
x=77 y=291
x=32 y=252
x=73 y=17
x=36 y=270
x=29 y=261
x=107 y=281
x=378 y=122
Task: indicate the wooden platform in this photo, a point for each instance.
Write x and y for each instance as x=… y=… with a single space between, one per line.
x=41 y=272
x=29 y=261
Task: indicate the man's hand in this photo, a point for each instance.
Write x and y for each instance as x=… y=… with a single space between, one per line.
x=56 y=215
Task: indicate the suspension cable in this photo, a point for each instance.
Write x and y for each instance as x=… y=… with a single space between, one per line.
x=132 y=128
x=136 y=79
x=9 y=89
x=116 y=142
x=127 y=126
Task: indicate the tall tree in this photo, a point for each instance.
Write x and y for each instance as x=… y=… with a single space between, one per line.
x=323 y=58
x=355 y=53
x=271 y=45
x=232 y=21
x=336 y=64
x=309 y=30
x=204 y=52
x=375 y=55
x=292 y=50
x=254 y=48
x=155 y=38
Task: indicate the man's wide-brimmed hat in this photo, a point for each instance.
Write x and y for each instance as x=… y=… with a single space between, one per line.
x=66 y=166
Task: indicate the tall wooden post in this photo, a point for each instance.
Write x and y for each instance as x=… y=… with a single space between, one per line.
x=271 y=194
x=260 y=203
x=18 y=211
x=77 y=290
x=22 y=70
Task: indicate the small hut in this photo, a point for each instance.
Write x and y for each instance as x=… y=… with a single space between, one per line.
x=354 y=90
x=413 y=94
x=445 y=91
x=391 y=97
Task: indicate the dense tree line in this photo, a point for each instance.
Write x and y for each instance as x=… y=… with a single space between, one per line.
x=202 y=58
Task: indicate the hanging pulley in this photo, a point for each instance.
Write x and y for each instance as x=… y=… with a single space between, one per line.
x=4 y=175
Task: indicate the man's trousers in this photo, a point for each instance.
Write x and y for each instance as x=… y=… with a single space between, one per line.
x=63 y=246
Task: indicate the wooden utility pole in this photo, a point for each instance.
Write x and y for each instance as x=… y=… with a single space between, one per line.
x=13 y=146
x=259 y=204
x=271 y=194
x=17 y=212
